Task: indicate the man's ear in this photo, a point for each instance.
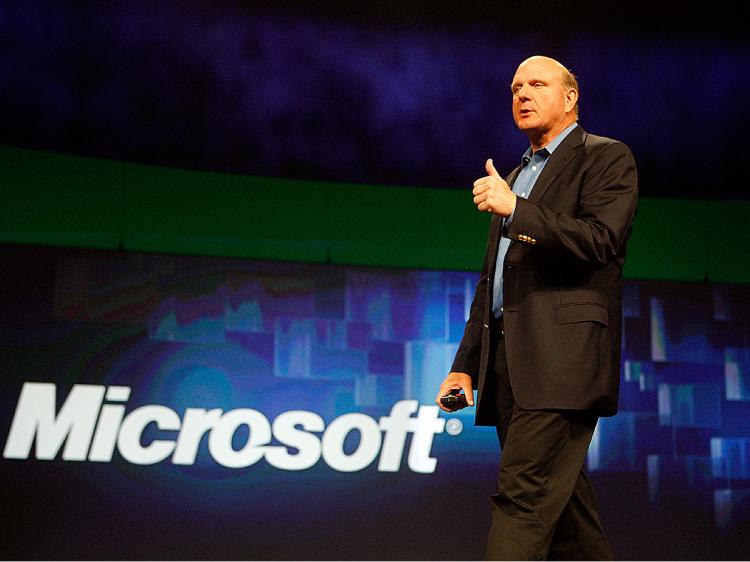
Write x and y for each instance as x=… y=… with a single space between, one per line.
x=571 y=98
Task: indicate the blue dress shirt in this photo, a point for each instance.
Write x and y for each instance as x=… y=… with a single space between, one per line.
x=532 y=166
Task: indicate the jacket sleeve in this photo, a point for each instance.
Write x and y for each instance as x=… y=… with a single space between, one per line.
x=606 y=208
x=468 y=356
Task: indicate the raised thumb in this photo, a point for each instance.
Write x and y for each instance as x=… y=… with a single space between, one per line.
x=491 y=168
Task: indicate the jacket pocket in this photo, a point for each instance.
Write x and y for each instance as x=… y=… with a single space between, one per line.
x=581 y=296
x=581 y=312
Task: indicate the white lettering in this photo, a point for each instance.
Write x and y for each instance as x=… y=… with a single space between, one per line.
x=396 y=427
x=195 y=424
x=35 y=418
x=220 y=440
x=425 y=426
x=308 y=445
x=367 y=450
x=106 y=433
x=91 y=428
x=109 y=424
x=129 y=441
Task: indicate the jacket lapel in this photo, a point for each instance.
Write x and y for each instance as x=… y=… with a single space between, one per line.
x=560 y=158
x=496 y=225
x=564 y=153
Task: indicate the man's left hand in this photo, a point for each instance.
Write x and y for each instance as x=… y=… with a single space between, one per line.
x=492 y=194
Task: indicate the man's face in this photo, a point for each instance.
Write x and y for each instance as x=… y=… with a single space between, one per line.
x=540 y=102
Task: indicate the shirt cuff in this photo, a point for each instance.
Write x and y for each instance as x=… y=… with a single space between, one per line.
x=509 y=219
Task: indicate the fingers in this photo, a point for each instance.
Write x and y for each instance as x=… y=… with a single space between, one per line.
x=455 y=382
x=469 y=392
x=480 y=186
x=482 y=202
x=442 y=392
x=480 y=191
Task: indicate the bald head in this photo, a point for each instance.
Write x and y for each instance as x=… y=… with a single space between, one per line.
x=545 y=99
x=569 y=80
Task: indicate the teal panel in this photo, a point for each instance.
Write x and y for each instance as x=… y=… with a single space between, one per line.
x=181 y=211
x=668 y=241
x=729 y=241
x=406 y=227
x=59 y=200
x=456 y=230
x=376 y=225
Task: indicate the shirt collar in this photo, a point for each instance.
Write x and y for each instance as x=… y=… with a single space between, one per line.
x=550 y=148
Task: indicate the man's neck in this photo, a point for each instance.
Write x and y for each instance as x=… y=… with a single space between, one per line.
x=543 y=138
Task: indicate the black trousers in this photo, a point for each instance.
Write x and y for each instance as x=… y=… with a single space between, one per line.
x=545 y=508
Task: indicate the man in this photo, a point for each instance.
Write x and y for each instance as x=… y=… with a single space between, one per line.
x=542 y=342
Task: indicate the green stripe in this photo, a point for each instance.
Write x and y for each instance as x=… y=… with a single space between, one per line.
x=54 y=199
x=60 y=200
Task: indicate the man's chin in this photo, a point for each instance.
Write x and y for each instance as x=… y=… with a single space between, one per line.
x=527 y=126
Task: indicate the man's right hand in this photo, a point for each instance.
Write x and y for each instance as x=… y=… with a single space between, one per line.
x=493 y=194
x=456 y=381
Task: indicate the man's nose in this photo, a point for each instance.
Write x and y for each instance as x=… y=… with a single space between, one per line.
x=523 y=93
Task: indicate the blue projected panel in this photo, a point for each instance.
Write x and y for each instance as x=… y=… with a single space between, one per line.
x=737 y=373
x=283 y=395
x=730 y=457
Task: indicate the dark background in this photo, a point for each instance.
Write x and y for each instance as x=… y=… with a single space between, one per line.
x=391 y=92
x=399 y=93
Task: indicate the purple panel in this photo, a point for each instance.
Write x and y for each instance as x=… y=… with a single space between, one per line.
x=731 y=507
x=688 y=478
x=690 y=405
x=386 y=358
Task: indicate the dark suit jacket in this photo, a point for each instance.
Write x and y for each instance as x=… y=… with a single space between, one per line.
x=562 y=283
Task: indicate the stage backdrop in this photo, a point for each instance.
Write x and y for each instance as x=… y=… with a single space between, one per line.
x=168 y=407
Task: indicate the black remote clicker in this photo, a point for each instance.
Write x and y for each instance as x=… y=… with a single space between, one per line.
x=454 y=401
